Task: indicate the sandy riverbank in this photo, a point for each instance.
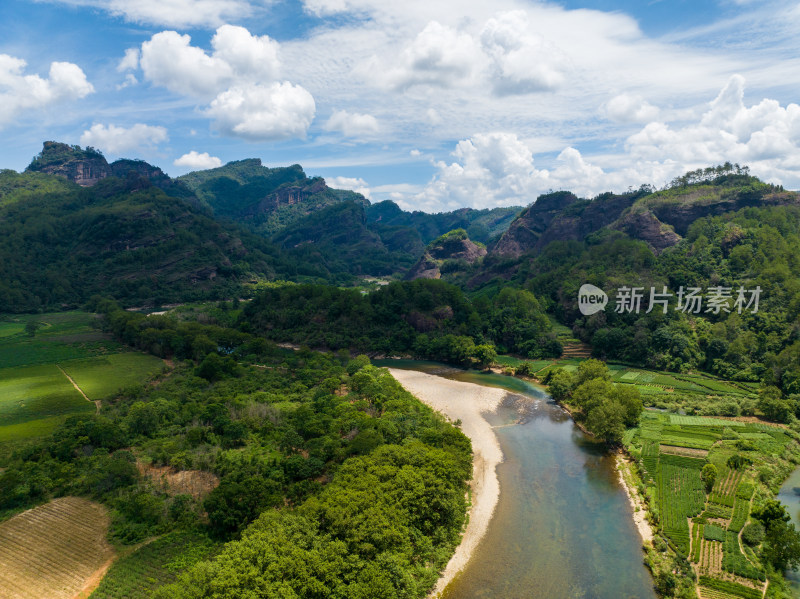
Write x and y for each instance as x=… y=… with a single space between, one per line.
x=624 y=466
x=466 y=402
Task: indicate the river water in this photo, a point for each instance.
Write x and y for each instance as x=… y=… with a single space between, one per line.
x=563 y=527
x=789 y=496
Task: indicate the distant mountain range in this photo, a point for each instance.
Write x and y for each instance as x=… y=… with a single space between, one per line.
x=73 y=225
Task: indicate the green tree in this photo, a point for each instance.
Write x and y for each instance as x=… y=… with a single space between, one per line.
x=484 y=355
x=607 y=421
x=781 y=540
x=560 y=384
x=30 y=328
x=709 y=476
x=753 y=534
x=591 y=369
x=630 y=399
x=774 y=406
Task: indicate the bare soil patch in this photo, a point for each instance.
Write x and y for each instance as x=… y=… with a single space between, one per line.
x=196 y=483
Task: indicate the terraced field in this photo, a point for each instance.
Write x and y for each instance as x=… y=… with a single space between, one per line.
x=705 y=527
x=53 y=551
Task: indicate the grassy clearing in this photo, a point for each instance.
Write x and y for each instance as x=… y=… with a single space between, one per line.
x=59 y=337
x=9 y=329
x=53 y=550
x=40 y=427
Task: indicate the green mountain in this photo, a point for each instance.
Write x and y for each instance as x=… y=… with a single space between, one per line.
x=265 y=199
x=336 y=228
x=481 y=225
x=718 y=230
x=339 y=238
x=60 y=243
x=659 y=218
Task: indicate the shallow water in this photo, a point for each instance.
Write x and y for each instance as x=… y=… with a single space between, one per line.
x=789 y=496
x=563 y=527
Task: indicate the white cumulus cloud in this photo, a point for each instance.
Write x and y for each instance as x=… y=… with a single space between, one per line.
x=118 y=140
x=439 y=56
x=352 y=124
x=130 y=61
x=490 y=169
x=497 y=169
x=237 y=79
x=20 y=92
x=356 y=184
x=198 y=161
x=263 y=112
x=522 y=62
x=169 y=60
x=630 y=108
x=765 y=136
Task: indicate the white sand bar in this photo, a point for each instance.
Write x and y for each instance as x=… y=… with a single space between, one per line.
x=467 y=402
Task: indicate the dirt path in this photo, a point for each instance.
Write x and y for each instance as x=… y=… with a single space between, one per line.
x=74 y=384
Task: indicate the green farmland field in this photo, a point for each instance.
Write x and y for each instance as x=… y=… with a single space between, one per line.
x=102 y=376
x=35 y=393
x=138 y=574
x=32 y=392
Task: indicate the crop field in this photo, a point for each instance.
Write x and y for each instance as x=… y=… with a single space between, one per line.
x=35 y=391
x=659 y=386
x=53 y=550
x=702 y=526
x=104 y=375
x=680 y=420
x=32 y=391
x=513 y=362
x=136 y=576
x=59 y=337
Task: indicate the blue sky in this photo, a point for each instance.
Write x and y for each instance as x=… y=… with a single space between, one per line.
x=436 y=105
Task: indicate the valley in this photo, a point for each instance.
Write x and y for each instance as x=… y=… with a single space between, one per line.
x=108 y=394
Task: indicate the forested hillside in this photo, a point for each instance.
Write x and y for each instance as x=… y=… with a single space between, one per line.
x=425 y=318
x=60 y=243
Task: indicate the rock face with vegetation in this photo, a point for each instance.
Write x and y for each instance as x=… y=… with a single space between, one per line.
x=449 y=252
x=265 y=199
x=525 y=231
x=659 y=218
x=60 y=243
x=84 y=167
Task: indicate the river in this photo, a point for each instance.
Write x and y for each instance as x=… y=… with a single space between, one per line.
x=789 y=496
x=563 y=527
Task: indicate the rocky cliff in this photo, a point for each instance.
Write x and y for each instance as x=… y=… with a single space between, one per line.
x=525 y=231
x=450 y=249
x=87 y=167
x=660 y=219
x=84 y=167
